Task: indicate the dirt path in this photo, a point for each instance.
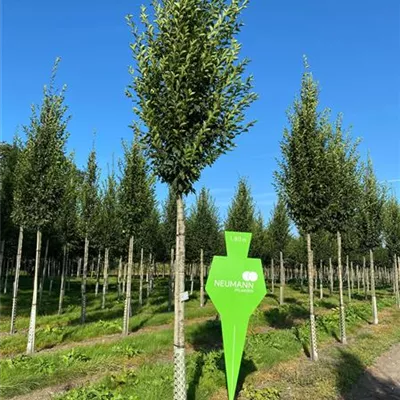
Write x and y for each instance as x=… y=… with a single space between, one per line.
x=380 y=381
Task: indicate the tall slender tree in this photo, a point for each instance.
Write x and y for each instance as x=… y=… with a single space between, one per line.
x=8 y=161
x=344 y=194
x=240 y=216
x=67 y=223
x=302 y=180
x=191 y=95
x=110 y=225
x=135 y=206
x=89 y=207
x=371 y=222
x=42 y=172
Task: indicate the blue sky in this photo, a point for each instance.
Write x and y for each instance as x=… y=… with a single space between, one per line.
x=353 y=48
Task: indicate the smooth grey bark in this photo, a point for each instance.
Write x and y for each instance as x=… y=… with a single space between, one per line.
x=321 y=287
x=78 y=270
x=16 y=280
x=62 y=286
x=43 y=272
x=281 y=279
x=191 y=279
x=124 y=279
x=396 y=281
x=358 y=278
x=352 y=276
x=6 y=277
x=201 y=278
x=313 y=332
x=272 y=276
x=373 y=293
x=128 y=305
x=105 y=278
x=96 y=289
x=141 y=277
x=179 y=309
x=330 y=276
x=1 y=259
x=52 y=269
x=119 y=279
x=342 y=311
x=30 y=348
x=83 y=282
x=171 y=280
x=348 y=278
x=301 y=278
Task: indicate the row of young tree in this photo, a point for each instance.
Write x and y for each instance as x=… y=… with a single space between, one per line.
x=191 y=94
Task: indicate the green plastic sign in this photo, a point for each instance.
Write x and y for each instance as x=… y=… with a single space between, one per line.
x=236 y=287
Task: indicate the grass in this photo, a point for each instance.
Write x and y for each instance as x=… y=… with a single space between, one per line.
x=276 y=334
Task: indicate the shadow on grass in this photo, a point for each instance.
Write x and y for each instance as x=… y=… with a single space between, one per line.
x=304 y=344
x=284 y=317
x=356 y=383
x=327 y=304
x=207 y=340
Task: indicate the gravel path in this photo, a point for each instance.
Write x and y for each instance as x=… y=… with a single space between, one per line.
x=380 y=381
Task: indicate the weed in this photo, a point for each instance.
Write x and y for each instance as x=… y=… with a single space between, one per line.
x=251 y=393
x=74 y=356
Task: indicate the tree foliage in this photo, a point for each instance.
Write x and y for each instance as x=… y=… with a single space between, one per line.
x=279 y=229
x=302 y=180
x=89 y=198
x=135 y=194
x=241 y=212
x=9 y=154
x=203 y=227
x=391 y=226
x=371 y=210
x=188 y=85
x=41 y=169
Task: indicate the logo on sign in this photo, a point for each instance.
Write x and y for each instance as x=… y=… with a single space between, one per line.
x=249 y=276
x=245 y=286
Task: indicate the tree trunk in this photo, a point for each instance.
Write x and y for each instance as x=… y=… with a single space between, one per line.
x=96 y=289
x=119 y=279
x=191 y=279
x=396 y=280
x=44 y=272
x=62 y=287
x=373 y=294
x=78 y=270
x=84 y=278
x=30 y=348
x=124 y=279
x=358 y=278
x=201 y=278
x=179 y=333
x=1 y=259
x=321 y=287
x=127 y=308
x=330 y=276
x=282 y=279
x=171 y=280
x=272 y=276
x=342 y=311
x=313 y=332
x=105 y=279
x=16 y=280
x=6 y=277
x=348 y=278
x=141 y=278
x=352 y=276
x=301 y=278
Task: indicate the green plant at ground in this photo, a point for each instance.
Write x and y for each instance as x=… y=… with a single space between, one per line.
x=251 y=393
x=74 y=356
